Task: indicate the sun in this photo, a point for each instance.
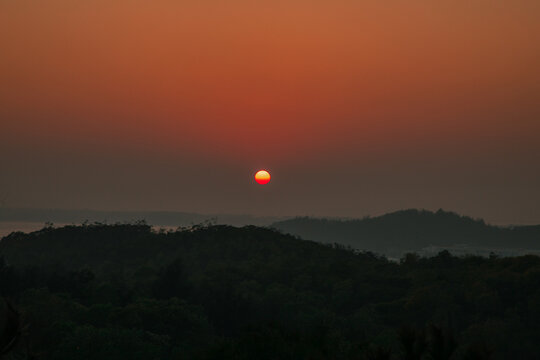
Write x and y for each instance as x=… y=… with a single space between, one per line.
x=262 y=177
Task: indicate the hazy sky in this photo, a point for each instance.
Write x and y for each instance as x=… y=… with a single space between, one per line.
x=355 y=107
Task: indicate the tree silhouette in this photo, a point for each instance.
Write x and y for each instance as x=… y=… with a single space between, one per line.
x=10 y=328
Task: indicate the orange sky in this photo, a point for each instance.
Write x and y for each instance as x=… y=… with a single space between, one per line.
x=293 y=85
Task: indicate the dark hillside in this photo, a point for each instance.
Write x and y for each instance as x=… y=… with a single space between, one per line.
x=412 y=230
x=220 y=292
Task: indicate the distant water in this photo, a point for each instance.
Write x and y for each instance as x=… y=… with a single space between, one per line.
x=464 y=249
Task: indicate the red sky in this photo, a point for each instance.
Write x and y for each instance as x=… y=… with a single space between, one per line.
x=356 y=107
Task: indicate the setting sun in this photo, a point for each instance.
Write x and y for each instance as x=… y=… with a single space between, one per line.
x=262 y=177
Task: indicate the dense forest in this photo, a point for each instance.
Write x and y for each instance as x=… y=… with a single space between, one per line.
x=126 y=291
x=411 y=230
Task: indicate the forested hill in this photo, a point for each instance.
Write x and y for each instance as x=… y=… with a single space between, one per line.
x=219 y=292
x=412 y=230
x=98 y=246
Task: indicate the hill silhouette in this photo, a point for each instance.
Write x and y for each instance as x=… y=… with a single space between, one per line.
x=412 y=230
x=158 y=218
x=126 y=291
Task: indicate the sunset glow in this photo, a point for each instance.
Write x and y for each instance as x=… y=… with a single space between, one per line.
x=384 y=105
x=262 y=177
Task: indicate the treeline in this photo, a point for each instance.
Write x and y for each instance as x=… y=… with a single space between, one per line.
x=411 y=230
x=219 y=292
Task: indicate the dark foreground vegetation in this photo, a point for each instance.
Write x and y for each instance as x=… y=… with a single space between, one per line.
x=219 y=292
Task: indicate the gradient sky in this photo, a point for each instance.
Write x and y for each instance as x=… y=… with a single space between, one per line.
x=355 y=107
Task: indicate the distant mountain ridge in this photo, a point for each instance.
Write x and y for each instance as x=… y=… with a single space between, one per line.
x=392 y=234
x=411 y=230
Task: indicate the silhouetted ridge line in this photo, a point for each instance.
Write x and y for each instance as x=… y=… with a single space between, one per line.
x=412 y=230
